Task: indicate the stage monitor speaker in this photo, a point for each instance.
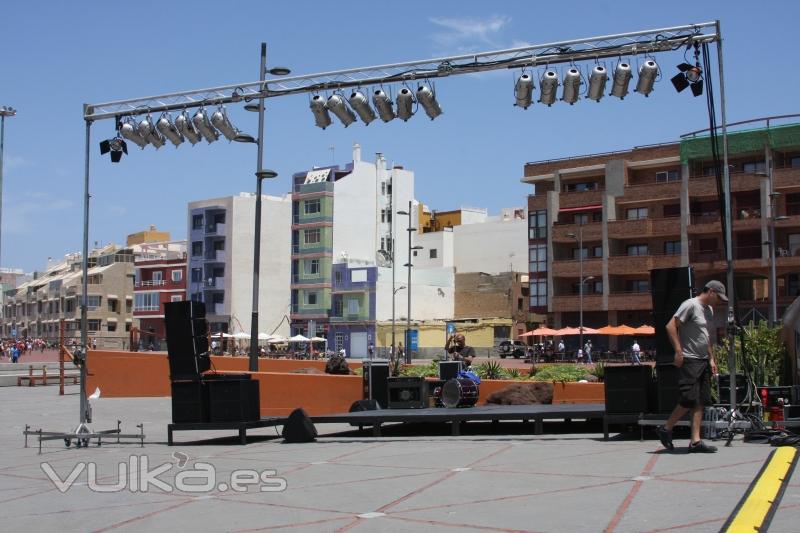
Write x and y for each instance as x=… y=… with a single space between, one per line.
x=233 y=400
x=376 y=376
x=299 y=428
x=669 y=287
x=627 y=388
x=725 y=389
x=189 y=402
x=667 y=392
x=408 y=393
x=449 y=370
x=359 y=406
x=187 y=341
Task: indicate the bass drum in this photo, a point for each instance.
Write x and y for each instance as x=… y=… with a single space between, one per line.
x=459 y=393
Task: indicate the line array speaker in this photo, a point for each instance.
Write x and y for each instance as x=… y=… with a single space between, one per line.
x=669 y=287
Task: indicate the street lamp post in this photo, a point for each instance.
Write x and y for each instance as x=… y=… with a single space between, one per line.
x=773 y=277
x=408 y=265
x=261 y=174
x=582 y=280
x=5 y=111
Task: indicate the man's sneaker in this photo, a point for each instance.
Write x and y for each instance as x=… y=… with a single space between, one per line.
x=701 y=447
x=665 y=436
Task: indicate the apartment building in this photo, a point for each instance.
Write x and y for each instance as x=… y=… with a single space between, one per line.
x=220 y=261
x=160 y=277
x=36 y=307
x=618 y=215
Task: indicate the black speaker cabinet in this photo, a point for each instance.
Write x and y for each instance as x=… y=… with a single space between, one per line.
x=189 y=402
x=376 y=375
x=666 y=390
x=408 y=393
x=299 y=428
x=669 y=287
x=627 y=388
x=233 y=400
x=449 y=370
x=187 y=341
x=725 y=388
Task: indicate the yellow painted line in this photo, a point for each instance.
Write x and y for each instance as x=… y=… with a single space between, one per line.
x=758 y=505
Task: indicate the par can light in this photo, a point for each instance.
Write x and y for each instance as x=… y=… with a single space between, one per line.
x=405 y=102
x=338 y=107
x=549 y=86
x=523 y=91
x=597 y=83
x=169 y=130
x=572 y=86
x=149 y=132
x=647 y=77
x=427 y=99
x=622 y=78
x=185 y=127
x=321 y=116
x=360 y=103
x=384 y=105
x=130 y=131
x=220 y=120
x=203 y=125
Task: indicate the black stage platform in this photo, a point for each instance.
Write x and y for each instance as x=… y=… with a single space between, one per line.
x=241 y=427
x=525 y=413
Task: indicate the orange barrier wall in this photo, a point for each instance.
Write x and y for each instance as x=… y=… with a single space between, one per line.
x=571 y=392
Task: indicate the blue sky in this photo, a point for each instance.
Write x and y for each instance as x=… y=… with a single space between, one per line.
x=55 y=56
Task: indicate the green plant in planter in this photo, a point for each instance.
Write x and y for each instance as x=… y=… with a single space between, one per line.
x=599 y=371
x=561 y=373
x=764 y=353
x=489 y=370
x=513 y=373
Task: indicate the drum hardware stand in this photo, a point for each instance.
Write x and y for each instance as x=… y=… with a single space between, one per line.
x=83 y=433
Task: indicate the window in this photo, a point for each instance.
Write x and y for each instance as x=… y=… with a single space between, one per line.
x=638 y=285
x=794 y=162
x=219 y=245
x=197 y=248
x=177 y=275
x=176 y=298
x=538 y=258
x=637 y=249
x=537 y=224
x=197 y=221
x=576 y=253
x=311 y=236
x=158 y=276
x=112 y=325
x=146 y=301
x=311 y=207
x=358 y=275
x=311 y=298
x=386 y=215
x=597 y=251
x=311 y=266
x=580 y=219
x=383 y=187
x=93 y=302
x=127 y=326
x=672 y=248
x=197 y=275
x=93 y=324
x=338 y=307
x=672 y=210
x=432 y=253
x=753 y=167
x=667 y=175
x=337 y=277
x=597 y=216
x=637 y=213
x=538 y=292
x=352 y=306
x=113 y=306
x=581 y=187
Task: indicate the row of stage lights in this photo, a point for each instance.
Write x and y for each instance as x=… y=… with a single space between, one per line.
x=202 y=126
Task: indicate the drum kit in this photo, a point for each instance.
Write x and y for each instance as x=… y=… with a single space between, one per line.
x=458 y=392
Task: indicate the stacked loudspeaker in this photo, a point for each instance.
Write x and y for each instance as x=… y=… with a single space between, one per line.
x=199 y=397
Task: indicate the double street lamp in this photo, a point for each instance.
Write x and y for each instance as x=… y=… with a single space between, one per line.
x=408 y=265
x=5 y=111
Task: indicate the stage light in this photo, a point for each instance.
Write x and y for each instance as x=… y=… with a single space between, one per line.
x=129 y=130
x=149 y=132
x=597 y=83
x=405 y=101
x=360 y=103
x=523 y=91
x=338 y=107
x=321 y=116
x=116 y=146
x=185 y=127
x=647 y=77
x=383 y=104
x=572 y=86
x=169 y=130
x=427 y=99
x=549 y=86
x=203 y=125
x=221 y=121
x=689 y=76
x=622 y=78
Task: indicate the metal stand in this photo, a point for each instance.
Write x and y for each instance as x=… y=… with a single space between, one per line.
x=82 y=435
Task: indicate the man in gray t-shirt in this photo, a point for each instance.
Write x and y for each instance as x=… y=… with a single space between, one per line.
x=688 y=332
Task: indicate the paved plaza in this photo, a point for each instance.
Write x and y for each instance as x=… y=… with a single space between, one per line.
x=568 y=479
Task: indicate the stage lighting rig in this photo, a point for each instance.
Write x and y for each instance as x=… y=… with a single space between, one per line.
x=115 y=146
x=129 y=129
x=690 y=76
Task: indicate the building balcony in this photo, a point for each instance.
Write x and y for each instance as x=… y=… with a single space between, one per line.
x=311 y=279
x=572 y=302
x=310 y=249
x=216 y=309
x=629 y=301
x=591 y=232
x=356 y=317
x=215 y=283
x=302 y=219
x=304 y=189
x=301 y=312
x=216 y=256
x=785 y=178
x=647 y=227
x=704 y=223
x=656 y=190
x=571 y=268
x=580 y=199
x=215 y=229
x=744 y=257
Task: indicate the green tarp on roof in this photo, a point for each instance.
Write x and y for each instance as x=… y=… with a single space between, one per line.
x=741 y=142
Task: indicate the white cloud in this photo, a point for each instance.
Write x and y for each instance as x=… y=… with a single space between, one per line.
x=15 y=161
x=462 y=34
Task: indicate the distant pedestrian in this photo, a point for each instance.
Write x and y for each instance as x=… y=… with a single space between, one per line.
x=587 y=349
x=371 y=350
x=635 y=353
x=14 y=354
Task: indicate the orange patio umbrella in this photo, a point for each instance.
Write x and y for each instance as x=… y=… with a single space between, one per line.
x=617 y=330
x=645 y=330
x=576 y=331
x=538 y=332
